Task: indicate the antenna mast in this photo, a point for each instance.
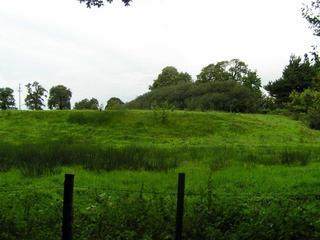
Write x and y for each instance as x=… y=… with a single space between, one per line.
x=19 y=96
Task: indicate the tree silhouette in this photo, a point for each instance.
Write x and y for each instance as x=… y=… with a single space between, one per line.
x=91 y=104
x=170 y=76
x=99 y=3
x=114 y=103
x=59 y=97
x=6 y=98
x=34 y=99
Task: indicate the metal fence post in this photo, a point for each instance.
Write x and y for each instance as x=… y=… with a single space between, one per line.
x=180 y=206
x=67 y=207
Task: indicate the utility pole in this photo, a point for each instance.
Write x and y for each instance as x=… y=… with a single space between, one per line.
x=19 y=90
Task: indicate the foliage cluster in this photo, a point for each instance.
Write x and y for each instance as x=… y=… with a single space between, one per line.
x=100 y=3
x=306 y=104
x=59 y=97
x=311 y=13
x=34 y=99
x=226 y=85
x=114 y=103
x=92 y=104
x=297 y=76
x=235 y=70
x=6 y=99
x=170 y=76
x=220 y=95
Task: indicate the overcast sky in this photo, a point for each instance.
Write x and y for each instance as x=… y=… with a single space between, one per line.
x=118 y=51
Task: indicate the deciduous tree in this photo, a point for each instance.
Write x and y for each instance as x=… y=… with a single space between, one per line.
x=237 y=69
x=252 y=81
x=214 y=72
x=114 y=103
x=35 y=96
x=91 y=104
x=6 y=98
x=170 y=76
x=59 y=97
x=234 y=70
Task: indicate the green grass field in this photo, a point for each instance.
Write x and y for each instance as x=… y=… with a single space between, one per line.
x=179 y=128
x=248 y=176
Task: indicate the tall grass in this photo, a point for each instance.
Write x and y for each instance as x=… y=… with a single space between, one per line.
x=38 y=159
x=220 y=157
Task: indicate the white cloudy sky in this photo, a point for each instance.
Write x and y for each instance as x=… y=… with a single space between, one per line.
x=118 y=51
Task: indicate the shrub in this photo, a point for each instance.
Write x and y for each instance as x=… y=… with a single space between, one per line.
x=314 y=119
x=307 y=102
x=225 y=96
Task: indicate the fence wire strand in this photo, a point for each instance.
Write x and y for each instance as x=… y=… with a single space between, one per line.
x=89 y=189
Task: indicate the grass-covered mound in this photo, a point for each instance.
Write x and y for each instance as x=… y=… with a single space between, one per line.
x=40 y=142
x=177 y=128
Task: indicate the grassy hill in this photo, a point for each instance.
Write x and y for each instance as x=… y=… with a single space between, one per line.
x=152 y=140
x=170 y=129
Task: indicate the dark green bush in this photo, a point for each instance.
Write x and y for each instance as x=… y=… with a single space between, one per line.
x=223 y=95
x=95 y=118
x=314 y=119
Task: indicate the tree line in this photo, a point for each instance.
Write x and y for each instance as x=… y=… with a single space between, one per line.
x=232 y=86
x=59 y=98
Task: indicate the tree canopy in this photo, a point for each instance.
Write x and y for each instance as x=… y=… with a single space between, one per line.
x=91 y=104
x=214 y=72
x=298 y=75
x=6 y=98
x=114 y=103
x=218 y=95
x=235 y=70
x=170 y=76
x=34 y=99
x=252 y=81
x=100 y=3
x=59 y=97
x=225 y=85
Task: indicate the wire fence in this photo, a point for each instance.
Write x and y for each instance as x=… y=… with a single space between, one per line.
x=93 y=188
x=68 y=190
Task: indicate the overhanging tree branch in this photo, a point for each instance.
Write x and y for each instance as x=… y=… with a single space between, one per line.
x=312 y=14
x=99 y=3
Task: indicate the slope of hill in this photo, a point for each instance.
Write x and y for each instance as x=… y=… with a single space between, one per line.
x=172 y=129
